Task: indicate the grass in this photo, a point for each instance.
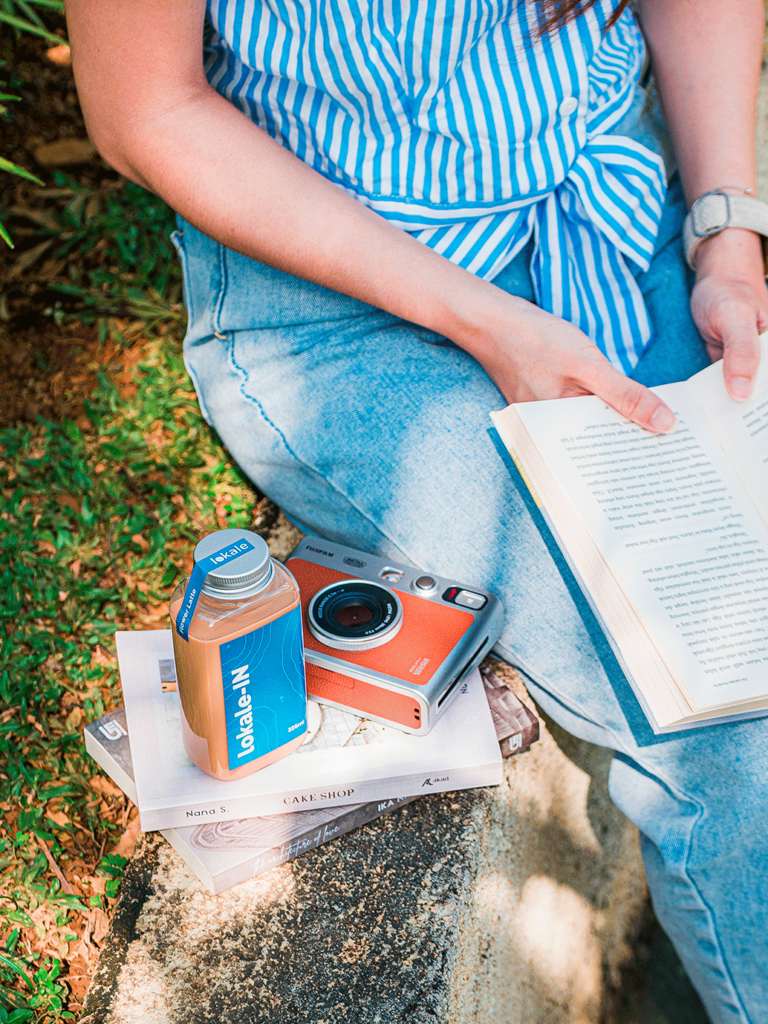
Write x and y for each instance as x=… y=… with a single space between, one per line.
x=23 y=16
x=112 y=231
x=99 y=512
x=98 y=517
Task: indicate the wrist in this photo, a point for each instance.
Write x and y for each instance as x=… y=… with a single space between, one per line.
x=475 y=313
x=499 y=325
x=715 y=213
x=734 y=252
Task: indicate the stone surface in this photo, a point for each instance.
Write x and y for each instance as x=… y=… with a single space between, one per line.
x=507 y=905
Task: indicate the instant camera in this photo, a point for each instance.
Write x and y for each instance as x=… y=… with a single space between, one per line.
x=387 y=641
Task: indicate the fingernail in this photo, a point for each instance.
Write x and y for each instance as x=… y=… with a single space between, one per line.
x=663 y=419
x=740 y=388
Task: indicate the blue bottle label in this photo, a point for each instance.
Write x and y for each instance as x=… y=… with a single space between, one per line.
x=197 y=581
x=265 y=692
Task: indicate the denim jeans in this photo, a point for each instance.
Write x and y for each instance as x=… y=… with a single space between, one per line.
x=373 y=431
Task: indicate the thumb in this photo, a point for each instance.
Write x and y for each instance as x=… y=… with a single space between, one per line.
x=741 y=355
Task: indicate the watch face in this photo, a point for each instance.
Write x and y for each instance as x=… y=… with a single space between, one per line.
x=710 y=214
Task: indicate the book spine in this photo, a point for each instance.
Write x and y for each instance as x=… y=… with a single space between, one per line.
x=104 y=758
x=312 y=839
x=156 y=818
x=520 y=741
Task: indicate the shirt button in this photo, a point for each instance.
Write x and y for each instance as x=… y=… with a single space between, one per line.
x=568 y=106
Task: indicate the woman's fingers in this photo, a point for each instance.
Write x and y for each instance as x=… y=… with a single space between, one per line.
x=730 y=305
x=731 y=334
x=630 y=399
x=741 y=355
x=546 y=357
x=729 y=325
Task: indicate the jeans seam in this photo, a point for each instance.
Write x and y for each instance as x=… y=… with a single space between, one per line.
x=726 y=971
x=243 y=373
x=686 y=873
x=177 y=238
x=219 y=301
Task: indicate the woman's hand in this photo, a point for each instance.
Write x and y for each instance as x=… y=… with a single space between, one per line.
x=531 y=354
x=730 y=304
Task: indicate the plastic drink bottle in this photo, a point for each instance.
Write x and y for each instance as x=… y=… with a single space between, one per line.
x=237 y=639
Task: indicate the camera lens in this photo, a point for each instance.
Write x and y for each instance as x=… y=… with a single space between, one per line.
x=354 y=615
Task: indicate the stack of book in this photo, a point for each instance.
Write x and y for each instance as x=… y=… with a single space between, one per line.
x=349 y=771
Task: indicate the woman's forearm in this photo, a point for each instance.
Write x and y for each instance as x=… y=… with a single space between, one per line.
x=243 y=188
x=155 y=118
x=706 y=57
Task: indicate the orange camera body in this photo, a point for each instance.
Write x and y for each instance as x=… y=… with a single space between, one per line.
x=387 y=641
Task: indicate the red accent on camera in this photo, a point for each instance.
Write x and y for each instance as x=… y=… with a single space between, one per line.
x=363 y=698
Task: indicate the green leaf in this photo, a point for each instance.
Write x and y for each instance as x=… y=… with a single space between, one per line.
x=27 y=26
x=7 y=165
x=71 y=903
x=14 y=966
x=28 y=12
x=20 y=1016
x=5 y=236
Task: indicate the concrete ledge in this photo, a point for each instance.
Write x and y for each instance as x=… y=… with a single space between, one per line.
x=499 y=905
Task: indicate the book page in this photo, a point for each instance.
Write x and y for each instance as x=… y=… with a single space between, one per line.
x=740 y=427
x=667 y=515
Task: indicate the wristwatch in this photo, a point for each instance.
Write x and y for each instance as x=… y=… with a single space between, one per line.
x=717 y=210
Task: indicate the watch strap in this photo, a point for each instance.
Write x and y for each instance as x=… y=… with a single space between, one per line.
x=715 y=211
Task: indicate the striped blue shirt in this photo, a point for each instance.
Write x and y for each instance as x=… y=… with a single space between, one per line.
x=445 y=117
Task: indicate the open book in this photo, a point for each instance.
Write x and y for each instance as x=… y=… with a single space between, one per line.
x=667 y=536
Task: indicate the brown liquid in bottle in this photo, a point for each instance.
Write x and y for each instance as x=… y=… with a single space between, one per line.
x=198 y=669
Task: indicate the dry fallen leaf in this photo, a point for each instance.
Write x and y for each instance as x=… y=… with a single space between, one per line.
x=98 y=884
x=99 y=925
x=105 y=786
x=57 y=817
x=25 y=261
x=74 y=720
x=61 y=55
x=65 y=153
x=128 y=840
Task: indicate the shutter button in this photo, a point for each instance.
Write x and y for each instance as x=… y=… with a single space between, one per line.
x=424 y=584
x=568 y=106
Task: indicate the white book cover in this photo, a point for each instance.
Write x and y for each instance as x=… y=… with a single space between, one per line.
x=345 y=759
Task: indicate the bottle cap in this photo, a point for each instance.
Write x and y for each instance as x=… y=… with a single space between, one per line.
x=245 y=572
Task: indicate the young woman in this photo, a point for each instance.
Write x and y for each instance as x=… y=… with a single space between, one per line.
x=398 y=215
